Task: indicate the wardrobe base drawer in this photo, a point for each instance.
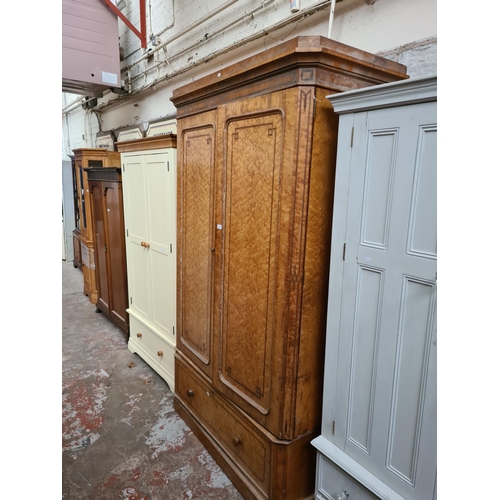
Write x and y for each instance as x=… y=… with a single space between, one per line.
x=260 y=465
x=237 y=438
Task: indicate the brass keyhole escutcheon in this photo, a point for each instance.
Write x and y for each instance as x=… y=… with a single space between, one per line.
x=236 y=440
x=190 y=393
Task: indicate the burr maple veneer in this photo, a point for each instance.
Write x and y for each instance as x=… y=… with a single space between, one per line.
x=256 y=171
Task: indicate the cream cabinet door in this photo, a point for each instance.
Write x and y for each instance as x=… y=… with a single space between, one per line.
x=136 y=213
x=161 y=208
x=150 y=219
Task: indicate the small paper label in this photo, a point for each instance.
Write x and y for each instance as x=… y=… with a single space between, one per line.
x=111 y=78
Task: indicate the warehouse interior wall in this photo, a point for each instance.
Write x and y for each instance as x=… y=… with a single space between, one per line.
x=186 y=42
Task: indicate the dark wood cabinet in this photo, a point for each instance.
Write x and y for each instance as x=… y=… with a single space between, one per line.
x=89 y=158
x=106 y=203
x=256 y=169
x=77 y=248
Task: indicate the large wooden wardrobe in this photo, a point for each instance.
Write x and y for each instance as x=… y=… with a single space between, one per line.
x=106 y=203
x=149 y=189
x=85 y=158
x=256 y=169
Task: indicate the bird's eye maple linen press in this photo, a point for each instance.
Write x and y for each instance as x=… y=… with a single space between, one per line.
x=256 y=170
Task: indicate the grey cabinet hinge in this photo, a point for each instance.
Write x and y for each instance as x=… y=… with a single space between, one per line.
x=127 y=232
x=352 y=136
x=131 y=300
x=168 y=166
x=343 y=253
x=123 y=167
x=333 y=428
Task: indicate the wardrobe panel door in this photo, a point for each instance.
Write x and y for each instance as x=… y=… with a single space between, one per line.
x=161 y=239
x=113 y=215
x=250 y=265
x=136 y=216
x=100 y=246
x=196 y=248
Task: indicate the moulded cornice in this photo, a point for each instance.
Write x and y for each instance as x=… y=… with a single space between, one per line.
x=411 y=91
x=147 y=143
x=281 y=67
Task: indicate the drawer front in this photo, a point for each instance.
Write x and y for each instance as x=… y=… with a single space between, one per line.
x=240 y=441
x=331 y=481
x=159 y=349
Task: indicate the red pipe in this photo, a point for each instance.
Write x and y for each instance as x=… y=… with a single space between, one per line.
x=142 y=14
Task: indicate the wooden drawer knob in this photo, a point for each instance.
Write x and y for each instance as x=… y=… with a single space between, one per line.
x=146 y=244
x=143 y=243
x=160 y=353
x=139 y=335
x=190 y=393
x=236 y=440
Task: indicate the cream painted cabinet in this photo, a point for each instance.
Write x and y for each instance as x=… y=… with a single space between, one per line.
x=149 y=200
x=378 y=435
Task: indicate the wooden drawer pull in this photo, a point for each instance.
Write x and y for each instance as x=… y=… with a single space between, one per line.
x=160 y=353
x=190 y=393
x=139 y=335
x=236 y=440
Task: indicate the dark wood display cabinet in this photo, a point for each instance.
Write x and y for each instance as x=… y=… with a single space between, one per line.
x=106 y=204
x=89 y=158
x=257 y=145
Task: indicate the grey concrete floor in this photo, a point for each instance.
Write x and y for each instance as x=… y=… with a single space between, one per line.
x=121 y=437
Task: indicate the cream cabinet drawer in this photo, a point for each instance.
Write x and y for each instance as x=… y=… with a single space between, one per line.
x=156 y=351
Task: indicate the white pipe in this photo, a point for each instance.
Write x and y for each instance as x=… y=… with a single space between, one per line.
x=73 y=105
x=150 y=22
x=226 y=26
x=171 y=24
x=330 y=22
x=281 y=24
x=183 y=32
x=212 y=34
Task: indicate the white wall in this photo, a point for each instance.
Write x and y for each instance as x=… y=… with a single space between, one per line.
x=402 y=30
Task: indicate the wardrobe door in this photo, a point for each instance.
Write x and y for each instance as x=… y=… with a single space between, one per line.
x=160 y=176
x=255 y=223
x=135 y=193
x=113 y=217
x=100 y=246
x=196 y=238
